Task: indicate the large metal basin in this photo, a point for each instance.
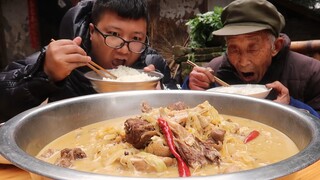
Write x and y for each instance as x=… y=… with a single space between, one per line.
x=23 y=136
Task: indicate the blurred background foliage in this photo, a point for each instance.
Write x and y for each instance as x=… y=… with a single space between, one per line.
x=201 y=27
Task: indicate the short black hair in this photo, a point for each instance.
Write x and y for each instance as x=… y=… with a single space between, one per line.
x=131 y=9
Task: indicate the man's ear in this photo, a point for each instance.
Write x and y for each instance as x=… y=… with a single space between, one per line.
x=91 y=30
x=277 y=46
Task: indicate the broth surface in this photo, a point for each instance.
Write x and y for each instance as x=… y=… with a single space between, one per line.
x=103 y=144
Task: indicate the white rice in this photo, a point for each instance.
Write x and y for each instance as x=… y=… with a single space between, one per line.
x=244 y=90
x=127 y=74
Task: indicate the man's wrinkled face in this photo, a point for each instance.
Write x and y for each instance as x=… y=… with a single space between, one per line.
x=250 y=54
x=127 y=29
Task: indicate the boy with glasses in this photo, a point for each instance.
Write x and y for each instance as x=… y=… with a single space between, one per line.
x=109 y=32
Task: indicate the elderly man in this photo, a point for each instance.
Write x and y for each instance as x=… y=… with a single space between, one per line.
x=258 y=54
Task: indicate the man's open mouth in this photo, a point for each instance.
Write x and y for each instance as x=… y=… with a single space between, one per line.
x=247 y=74
x=249 y=77
x=118 y=62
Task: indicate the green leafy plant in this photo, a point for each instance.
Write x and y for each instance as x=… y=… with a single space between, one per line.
x=201 y=27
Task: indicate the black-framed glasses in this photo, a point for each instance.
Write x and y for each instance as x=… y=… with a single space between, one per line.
x=117 y=42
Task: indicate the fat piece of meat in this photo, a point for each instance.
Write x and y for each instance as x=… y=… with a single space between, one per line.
x=139 y=132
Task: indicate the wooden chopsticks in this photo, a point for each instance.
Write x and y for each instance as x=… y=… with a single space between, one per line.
x=219 y=81
x=92 y=65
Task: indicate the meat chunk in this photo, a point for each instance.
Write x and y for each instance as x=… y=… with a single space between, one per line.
x=191 y=154
x=210 y=151
x=178 y=106
x=193 y=151
x=145 y=107
x=218 y=134
x=216 y=139
x=73 y=154
x=139 y=132
x=68 y=155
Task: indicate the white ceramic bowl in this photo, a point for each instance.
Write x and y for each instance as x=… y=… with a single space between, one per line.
x=253 y=90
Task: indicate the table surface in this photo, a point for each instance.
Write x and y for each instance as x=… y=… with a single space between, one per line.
x=8 y=171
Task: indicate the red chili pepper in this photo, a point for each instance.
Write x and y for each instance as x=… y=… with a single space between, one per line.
x=253 y=134
x=182 y=166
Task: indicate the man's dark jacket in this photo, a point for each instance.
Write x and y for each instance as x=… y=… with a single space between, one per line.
x=24 y=85
x=299 y=73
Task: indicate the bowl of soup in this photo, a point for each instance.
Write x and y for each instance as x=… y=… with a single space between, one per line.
x=100 y=128
x=127 y=79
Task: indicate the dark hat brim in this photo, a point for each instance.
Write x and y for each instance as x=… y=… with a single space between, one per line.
x=232 y=29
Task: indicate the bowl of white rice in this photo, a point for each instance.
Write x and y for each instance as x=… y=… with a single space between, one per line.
x=127 y=79
x=253 y=90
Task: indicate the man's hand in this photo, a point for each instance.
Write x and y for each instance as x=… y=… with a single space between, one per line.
x=63 y=56
x=150 y=68
x=200 y=78
x=283 y=92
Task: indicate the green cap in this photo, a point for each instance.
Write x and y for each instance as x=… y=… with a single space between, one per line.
x=246 y=16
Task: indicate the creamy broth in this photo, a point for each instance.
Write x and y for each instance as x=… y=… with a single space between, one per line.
x=104 y=140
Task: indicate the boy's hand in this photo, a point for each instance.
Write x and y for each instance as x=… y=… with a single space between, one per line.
x=63 y=56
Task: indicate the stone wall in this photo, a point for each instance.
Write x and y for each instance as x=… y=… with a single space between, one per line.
x=14 y=27
x=168 y=20
x=14 y=22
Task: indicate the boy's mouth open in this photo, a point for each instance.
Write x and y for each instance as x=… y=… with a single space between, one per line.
x=118 y=62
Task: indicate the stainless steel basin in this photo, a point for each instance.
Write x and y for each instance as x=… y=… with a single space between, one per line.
x=23 y=136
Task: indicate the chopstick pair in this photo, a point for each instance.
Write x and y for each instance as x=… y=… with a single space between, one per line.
x=92 y=65
x=219 y=81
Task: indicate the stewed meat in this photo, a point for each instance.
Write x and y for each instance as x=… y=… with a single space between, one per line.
x=73 y=154
x=177 y=106
x=218 y=134
x=216 y=138
x=145 y=107
x=194 y=152
x=68 y=155
x=139 y=132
